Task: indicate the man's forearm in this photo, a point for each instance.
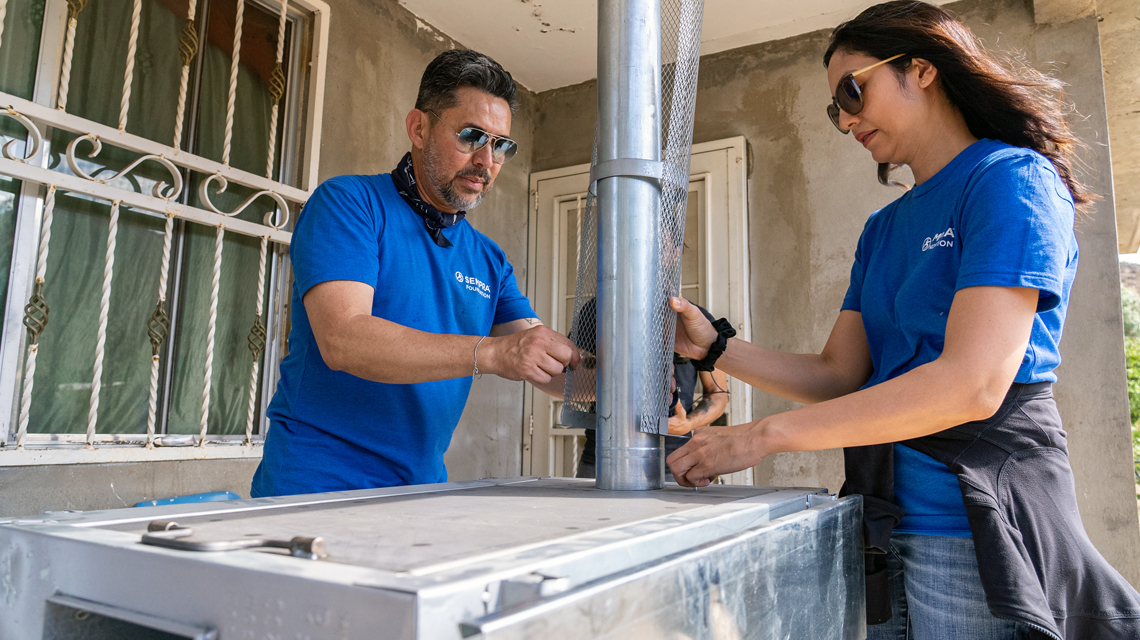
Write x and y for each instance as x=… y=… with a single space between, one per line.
x=708 y=409
x=383 y=351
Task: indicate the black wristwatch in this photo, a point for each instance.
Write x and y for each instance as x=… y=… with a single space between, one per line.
x=724 y=331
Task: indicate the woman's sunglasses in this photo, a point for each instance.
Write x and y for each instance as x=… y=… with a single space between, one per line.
x=470 y=140
x=849 y=97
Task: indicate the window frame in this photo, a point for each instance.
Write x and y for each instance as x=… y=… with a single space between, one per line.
x=298 y=161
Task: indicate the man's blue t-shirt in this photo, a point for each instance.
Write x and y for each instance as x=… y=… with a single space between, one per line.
x=332 y=431
x=996 y=215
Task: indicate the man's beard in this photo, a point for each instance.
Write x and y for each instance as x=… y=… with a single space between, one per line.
x=443 y=185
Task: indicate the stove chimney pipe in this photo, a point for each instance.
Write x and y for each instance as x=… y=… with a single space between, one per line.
x=628 y=210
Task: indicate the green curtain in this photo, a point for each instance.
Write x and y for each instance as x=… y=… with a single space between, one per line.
x=73 y=288
x=229 y=386
x=20 y=47
x=22 y=26
x=75 y=268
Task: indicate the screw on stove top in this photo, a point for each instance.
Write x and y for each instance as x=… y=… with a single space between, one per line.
x=163 y=525
x=312 y=548
x=167 y=529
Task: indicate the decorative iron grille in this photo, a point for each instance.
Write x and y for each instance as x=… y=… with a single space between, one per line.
x=61 y=155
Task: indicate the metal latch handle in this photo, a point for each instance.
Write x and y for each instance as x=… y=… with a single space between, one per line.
x=171 y=535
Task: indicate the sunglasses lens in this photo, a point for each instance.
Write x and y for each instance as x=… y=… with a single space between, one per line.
x=471 y=140
x=504 y=150
x=849 y=97
x=833 y=113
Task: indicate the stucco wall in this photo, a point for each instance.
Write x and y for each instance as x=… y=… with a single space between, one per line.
x=1092 y=395
x=29 y=491
x=810 y=191
x=1120 y=48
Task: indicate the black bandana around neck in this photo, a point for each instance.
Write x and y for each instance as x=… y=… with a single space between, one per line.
x=435 y=221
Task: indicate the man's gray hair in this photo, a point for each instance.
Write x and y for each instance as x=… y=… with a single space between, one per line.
x=458 y=68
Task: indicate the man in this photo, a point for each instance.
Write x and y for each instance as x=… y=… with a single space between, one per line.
x=398 y=301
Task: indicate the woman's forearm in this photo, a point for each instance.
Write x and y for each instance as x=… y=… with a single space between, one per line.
x=986 y=337
x=987 y=333
x=802 y=377
x=843 y=366
x=926 y=400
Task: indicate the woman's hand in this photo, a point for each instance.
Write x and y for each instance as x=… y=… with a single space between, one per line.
x=694 y=332
x=714 y=451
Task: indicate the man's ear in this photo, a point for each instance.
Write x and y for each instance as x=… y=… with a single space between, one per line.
x=417 y=124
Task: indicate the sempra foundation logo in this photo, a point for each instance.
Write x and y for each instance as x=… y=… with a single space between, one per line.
x=473 y=284
x=944 y=239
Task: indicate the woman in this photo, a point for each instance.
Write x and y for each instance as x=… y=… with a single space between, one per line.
x=946 y=342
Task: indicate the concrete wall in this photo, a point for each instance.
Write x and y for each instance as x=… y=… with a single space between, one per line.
x=1120 y=48
x=29 y=491
x=810 y=191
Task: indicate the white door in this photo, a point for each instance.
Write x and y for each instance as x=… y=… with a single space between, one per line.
x=714 y=275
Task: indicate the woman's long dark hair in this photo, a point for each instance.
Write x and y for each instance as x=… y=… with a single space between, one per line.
x=1010 y=102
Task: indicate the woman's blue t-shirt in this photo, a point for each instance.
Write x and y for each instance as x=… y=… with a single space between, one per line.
x=333 y=431
x=996 y=215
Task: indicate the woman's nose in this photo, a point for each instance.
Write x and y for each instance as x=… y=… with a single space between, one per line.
x=847 y=121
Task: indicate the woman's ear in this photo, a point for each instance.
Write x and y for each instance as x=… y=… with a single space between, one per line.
x=924 y=73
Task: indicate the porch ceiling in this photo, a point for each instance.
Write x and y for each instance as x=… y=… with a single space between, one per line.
x=548 y=44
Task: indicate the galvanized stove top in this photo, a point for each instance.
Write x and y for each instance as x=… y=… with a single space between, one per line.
x=429 y=562
x=426 y=532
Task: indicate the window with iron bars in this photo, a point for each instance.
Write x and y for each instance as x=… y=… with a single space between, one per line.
x=155 y=154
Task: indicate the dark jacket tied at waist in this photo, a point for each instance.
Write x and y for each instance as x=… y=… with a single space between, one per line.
x=1036 y=562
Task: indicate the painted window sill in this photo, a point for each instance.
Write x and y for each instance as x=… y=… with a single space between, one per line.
x=103 y=453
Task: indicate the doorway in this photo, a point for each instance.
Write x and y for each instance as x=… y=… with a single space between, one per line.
x=714 y=274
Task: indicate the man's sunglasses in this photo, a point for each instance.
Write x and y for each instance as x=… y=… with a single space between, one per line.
x=470 y=140
x=849 y=97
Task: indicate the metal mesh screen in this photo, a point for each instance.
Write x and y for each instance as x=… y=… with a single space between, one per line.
x=680 y=56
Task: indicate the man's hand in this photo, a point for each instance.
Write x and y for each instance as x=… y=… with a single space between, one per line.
x=714 y=451
x=694 y=332
x=679 y=423
x=535 y=355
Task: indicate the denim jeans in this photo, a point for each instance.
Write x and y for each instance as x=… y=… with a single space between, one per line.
x=936 y=593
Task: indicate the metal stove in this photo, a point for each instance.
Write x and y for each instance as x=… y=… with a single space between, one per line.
x=501 y=558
